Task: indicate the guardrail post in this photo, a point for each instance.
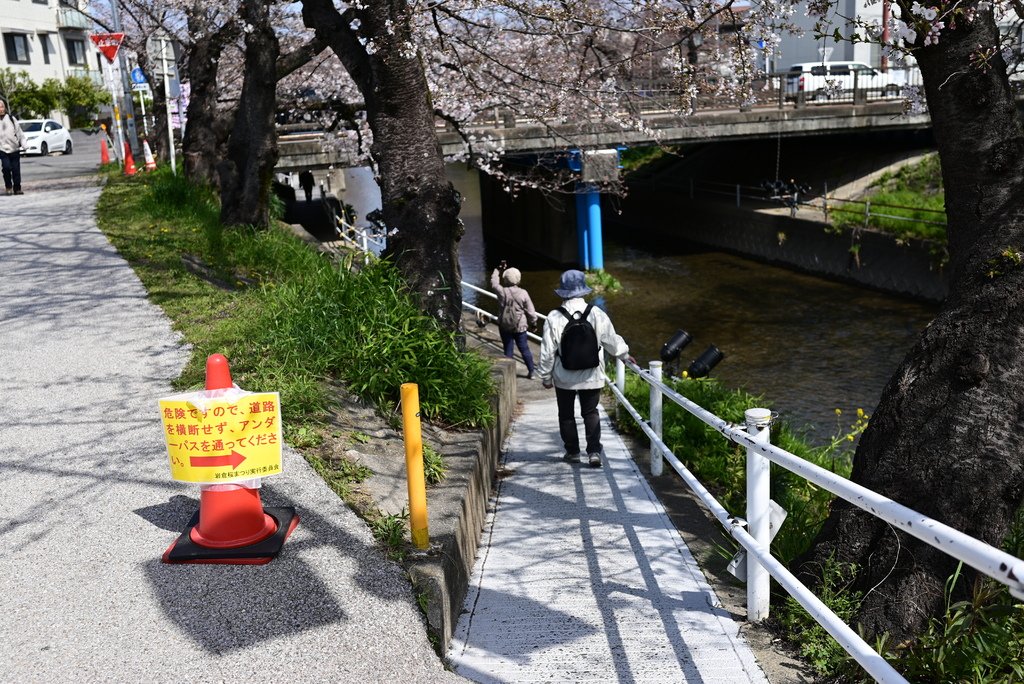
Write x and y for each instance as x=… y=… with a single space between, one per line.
x=620 y=375
x=657 y=462
x=737 y=195
x=758 y=521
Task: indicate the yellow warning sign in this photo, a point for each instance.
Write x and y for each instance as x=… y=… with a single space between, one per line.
x=220 y=440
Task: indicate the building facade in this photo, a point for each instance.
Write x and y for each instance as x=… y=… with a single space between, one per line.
x=48 y=39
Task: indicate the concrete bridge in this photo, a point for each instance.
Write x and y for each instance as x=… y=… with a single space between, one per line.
x=302 y=150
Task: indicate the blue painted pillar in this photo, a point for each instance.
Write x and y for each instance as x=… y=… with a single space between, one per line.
x=582 y=228
x=596 y=260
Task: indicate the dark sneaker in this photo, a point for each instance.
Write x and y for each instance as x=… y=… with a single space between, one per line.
x=9 y=191
x=18 y=192
x=595 y=460
x=571 y=458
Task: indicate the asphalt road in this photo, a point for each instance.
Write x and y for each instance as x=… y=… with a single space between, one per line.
x=87 y=505
x=85 y=159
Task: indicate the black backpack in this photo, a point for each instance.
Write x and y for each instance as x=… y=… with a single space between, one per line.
x=578 y=347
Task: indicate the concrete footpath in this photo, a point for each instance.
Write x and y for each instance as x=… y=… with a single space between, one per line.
x=581 y=576
x=87 y=505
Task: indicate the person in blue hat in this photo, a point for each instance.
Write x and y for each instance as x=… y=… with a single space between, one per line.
x=584 y=377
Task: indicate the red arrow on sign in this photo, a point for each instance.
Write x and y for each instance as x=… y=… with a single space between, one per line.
x=234 y=460
x=108 y=43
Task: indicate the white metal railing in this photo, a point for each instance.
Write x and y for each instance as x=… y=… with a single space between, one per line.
x=756 y=538
x=754 y=533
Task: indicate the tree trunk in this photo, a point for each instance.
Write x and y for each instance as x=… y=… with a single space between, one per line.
x=945 y=439
x=252 y=148
x=208 y=128
x=420 y=205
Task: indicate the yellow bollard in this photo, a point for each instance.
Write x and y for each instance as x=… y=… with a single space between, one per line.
x=414 y=465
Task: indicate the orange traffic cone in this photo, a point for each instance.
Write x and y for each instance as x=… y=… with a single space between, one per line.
x=129 y=163
x=231 y=527
x=104 y=155
x=150 y=161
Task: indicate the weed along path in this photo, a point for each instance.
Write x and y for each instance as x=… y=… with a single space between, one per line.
x=87 y=504
x=581 y=576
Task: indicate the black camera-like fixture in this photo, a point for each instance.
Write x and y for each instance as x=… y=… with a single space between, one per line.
x=671 y=349
x=703 y=364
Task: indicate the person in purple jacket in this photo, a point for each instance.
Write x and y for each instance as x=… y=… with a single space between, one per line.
x=516 y=313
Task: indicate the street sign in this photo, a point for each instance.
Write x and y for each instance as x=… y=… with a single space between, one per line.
x=138 y=78
x=108 y=44
x=222 y=440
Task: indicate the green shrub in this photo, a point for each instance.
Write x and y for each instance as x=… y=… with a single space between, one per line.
x=287 y=318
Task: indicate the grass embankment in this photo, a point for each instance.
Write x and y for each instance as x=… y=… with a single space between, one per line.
x=980 y=640
x=908 y=203
x=288 y=318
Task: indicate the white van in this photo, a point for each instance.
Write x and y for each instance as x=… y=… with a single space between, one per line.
x=822 y=81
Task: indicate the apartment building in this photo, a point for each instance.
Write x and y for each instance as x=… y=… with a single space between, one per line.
x=48 y=39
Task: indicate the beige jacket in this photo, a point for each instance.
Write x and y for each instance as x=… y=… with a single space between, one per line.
x=11 y=137
x=550 y=367
x=516 y=302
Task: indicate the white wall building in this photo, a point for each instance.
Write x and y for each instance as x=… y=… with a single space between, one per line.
x=796 y=49
x=48 y=39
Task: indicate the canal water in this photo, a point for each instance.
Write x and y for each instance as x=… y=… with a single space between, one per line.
x=808 y=345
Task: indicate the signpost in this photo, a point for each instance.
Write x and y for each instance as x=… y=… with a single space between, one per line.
x=163 y=49
x=108 y=44
x=139 y=84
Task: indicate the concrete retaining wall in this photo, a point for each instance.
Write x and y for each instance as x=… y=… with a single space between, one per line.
x=879 y=262
x=457 y=514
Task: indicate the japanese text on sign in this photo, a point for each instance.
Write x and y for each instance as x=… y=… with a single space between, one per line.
x=225 y=440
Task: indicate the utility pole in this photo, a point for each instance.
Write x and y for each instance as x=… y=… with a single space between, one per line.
x=126 y=86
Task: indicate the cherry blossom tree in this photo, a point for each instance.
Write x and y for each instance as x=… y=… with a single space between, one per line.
x=945 y=438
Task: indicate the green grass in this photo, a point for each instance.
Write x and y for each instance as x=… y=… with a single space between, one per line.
x=721 y=465
x=913 y=193
x=287 y=318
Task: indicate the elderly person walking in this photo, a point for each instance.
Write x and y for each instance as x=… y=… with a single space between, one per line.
x=11 y=141
x=516 y=313
x=578 y=371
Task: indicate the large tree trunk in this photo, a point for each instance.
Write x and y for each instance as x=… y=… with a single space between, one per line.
x=208 y=128
x=420 y=205
x=945 y=439
x=252 y=149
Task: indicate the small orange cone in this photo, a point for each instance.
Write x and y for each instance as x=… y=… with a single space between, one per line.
x=232 y=527
x=104 y=155
x=129 y=163
x=150 y=161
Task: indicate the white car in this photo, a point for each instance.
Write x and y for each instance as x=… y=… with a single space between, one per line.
x=827 y=80
x=43 y=136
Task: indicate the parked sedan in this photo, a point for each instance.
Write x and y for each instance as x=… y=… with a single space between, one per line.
x=43 y=136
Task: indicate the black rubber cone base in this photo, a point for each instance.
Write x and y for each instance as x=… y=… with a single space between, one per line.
x=184 y=550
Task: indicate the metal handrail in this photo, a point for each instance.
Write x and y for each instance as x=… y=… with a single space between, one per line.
x=996 y=563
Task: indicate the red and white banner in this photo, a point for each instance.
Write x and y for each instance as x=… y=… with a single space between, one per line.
x=108 y=44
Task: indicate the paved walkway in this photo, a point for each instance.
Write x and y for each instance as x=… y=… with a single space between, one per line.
x=87 y=505
x=582 y=577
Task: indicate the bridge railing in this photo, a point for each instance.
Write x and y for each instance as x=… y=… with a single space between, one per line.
x=753 y=531
x=777 y=89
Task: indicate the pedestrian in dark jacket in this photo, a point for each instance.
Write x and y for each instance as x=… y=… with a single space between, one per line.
x=307 y=182
x=516 y=313
x=12 y=140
